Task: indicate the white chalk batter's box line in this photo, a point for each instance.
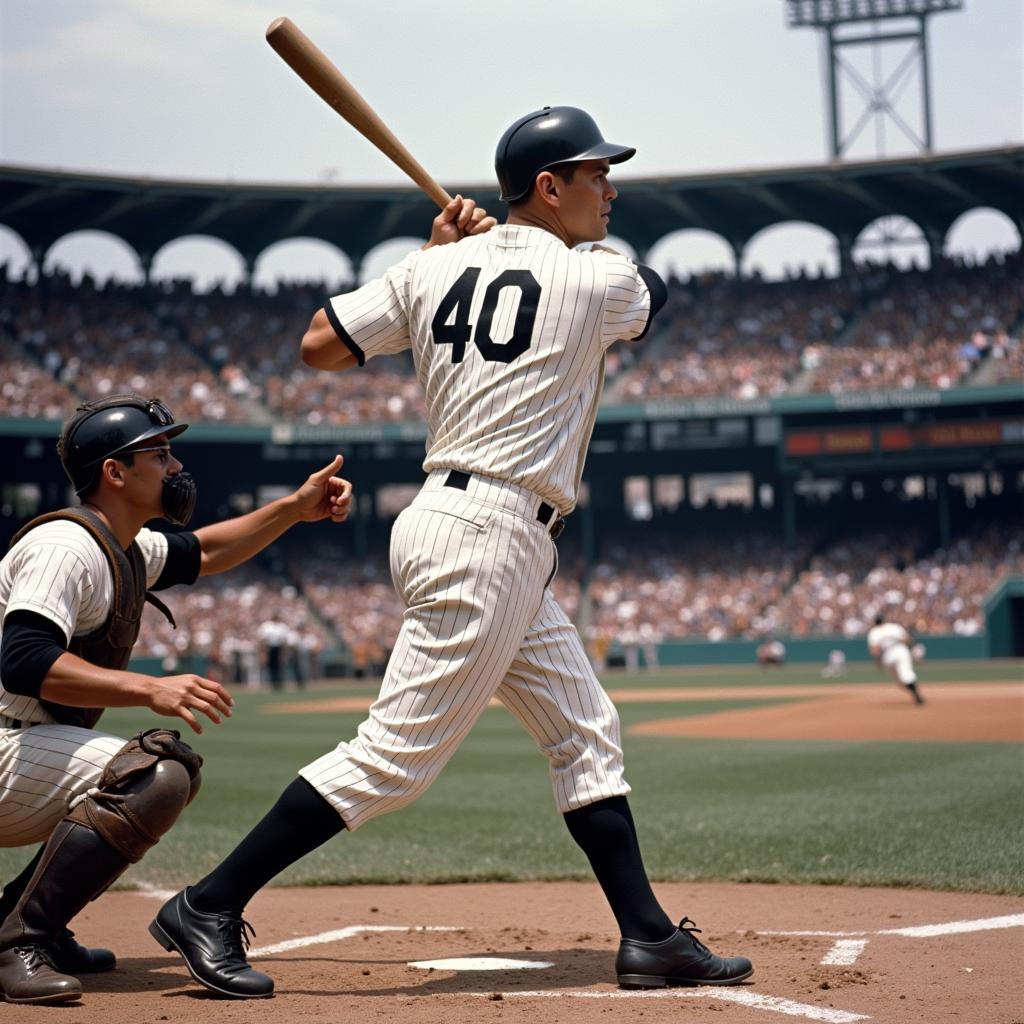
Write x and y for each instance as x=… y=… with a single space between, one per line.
x=845 y=950
x=742 y=996
x=848 y=946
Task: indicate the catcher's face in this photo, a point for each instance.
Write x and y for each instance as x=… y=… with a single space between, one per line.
x=144 y=478
x=585 y=203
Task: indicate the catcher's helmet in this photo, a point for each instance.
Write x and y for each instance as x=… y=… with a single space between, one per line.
x=539 y=141
x=110 y=427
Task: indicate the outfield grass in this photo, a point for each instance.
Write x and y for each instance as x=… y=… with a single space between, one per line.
x=943 y=816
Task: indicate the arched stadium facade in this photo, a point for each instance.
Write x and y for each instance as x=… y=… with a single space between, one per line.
x=777 y=459
x=931 y=191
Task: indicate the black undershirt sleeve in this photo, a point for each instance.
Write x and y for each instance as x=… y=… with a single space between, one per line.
x=659 y=294
x=31 y=644
x=184 y=554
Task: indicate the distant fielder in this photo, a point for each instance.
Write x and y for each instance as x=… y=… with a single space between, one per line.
x=508 y=329
x=771 y=652
x=836 y=665
x=893 y=649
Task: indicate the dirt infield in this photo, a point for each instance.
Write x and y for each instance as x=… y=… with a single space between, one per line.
x=836 y=955
x=890 y=955
x=954 y=712
x=824 y=954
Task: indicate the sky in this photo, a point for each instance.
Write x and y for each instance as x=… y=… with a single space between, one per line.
x=189 y=89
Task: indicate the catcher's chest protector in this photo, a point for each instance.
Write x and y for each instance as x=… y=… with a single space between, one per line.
x=110 y=645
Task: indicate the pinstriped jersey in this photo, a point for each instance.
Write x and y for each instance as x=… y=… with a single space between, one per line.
x=886 y=635
x=508 y=332
x=58 y=571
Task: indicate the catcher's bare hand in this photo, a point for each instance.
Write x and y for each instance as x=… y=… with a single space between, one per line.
x=459 y=218
x=183 y=696
x=324 y=495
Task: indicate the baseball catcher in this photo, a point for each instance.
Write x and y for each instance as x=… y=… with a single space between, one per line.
x=72 y=589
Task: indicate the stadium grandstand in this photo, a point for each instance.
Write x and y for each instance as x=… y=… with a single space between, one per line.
x=780 y=458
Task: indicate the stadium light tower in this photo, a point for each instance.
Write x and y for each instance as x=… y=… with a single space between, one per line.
x=880 y=96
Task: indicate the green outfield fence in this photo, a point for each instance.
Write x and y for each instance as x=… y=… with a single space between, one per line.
x=1003 y=638
x=816 y=649
x=696 y=652
x=1004 y=619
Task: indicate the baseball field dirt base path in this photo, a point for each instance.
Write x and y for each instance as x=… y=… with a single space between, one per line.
x=825 y=954
x=953 y=713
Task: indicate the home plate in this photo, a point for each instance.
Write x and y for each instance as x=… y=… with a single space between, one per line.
x=480 y=963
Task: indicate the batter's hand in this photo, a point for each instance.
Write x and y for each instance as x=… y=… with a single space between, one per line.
x=183 y=696
x=324 y=495
x=459 y=218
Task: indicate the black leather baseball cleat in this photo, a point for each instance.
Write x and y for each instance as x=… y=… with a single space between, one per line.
x=69 y=957
x=213 y=947
x=681 y=959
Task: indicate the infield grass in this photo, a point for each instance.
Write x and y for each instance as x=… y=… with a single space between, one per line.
x=930 y=815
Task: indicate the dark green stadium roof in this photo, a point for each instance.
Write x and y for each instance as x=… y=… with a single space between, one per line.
x=44 y=205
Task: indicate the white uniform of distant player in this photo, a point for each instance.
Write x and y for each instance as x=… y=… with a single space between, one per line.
x=58 y=571
x=890 y=644
x=836 y=665
x=508 y=332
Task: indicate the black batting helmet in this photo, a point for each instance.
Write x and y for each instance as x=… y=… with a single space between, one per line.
x=539 y=141
x=108 y=428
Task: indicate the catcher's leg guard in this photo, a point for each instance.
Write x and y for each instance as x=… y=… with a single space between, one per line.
x=132 y=815
x=70 y=957
x=142 y=791
x=76 y=865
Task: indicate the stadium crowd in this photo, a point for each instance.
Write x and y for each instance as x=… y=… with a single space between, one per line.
x=253 y=627
x=926 y=329
x=941 y=591
x=235 y=356
x=644 y=593
x=250 y=626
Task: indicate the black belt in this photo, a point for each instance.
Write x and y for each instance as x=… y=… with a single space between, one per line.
x=460 y=481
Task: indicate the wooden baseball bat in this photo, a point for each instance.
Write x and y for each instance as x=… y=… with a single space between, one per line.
x=301 y=54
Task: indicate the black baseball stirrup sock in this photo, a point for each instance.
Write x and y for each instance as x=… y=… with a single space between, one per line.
x=606 y=834
x=297 y=824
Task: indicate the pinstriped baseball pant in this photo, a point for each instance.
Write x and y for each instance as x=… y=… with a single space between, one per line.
x=44 y=771
x=472 y=568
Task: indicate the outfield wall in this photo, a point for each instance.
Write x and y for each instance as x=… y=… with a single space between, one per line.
x=695 y=652
x=816 y=649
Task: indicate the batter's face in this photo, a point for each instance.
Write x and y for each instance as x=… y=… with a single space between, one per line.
x=585 y=203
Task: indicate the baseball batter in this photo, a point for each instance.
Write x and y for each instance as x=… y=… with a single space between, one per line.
x=72 y=591
x=892 y=648
x=508 y=328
